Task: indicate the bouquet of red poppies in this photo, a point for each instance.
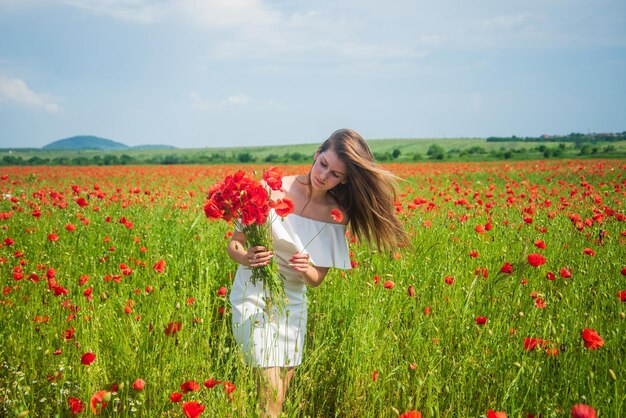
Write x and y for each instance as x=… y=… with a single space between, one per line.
x=246 y=202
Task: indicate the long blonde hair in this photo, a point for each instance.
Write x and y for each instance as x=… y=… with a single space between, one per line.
x=369 y=194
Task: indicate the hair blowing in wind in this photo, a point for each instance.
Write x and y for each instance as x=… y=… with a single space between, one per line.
x=369 y=194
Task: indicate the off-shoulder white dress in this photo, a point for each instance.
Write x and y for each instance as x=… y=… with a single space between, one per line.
x=267 y=338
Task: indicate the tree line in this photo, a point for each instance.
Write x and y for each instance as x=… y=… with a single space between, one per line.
x=573 y=137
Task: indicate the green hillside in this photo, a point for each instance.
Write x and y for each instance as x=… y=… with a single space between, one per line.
x=84 y=142
x=385 y=150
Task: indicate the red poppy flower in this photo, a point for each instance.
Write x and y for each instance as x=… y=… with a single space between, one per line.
x=229 y=387
x=69 y=334
x=53 y=237
x=536 y=260
x=507 y=268
x=592 y=339
x=139 y=384
x=189 y=386
x=389 y=284
x=530 y=343
x=481 y=320
x=159 y=266
x=88 y=358
x=173 y=327
x=283 y=207
x=474 y=254
x=375 y=375
x=589 y=251
x=82 y=202
x=583 y=411
x=480 y=229
x=76 y=405
x=211 y=383
x=540 y=303
x=82 y=280
x=540 y=244
x=176 y=397
x=273 y=178
x=337 y=215
x=622 y=295
x=212 y=211
x=192 y=409
x=222 y=291
x=565 y=273
x=97 y=401
x=411 y=291
x=70 y=227
x=449 y=280
x=552 y=351
x=623 y=271
x=427 y=311
x=550 y=276
x=496 y=414
x=411 y=414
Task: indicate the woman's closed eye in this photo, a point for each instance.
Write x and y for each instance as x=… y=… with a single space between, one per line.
x=334 y=173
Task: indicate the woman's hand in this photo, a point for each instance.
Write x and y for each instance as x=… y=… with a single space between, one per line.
x=300 y=262
x=258 y=256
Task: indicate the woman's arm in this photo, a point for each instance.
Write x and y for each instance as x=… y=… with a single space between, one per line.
x=312 y=275
x=251 y=257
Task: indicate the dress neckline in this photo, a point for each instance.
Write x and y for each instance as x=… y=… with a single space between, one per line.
x=313 y=220
x=316 y=220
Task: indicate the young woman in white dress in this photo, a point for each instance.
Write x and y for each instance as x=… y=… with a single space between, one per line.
x=306 y=244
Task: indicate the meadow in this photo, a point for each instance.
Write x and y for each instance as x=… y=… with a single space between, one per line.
x=115 y=297
x=385 y=150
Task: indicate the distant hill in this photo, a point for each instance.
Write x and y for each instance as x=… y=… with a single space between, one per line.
x=85 y=142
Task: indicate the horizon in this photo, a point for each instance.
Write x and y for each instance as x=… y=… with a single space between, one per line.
x=195 y=74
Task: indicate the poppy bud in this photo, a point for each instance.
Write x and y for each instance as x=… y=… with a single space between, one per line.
x=612 y=374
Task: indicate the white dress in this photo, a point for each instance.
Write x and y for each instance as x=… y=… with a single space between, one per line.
x=270 y=339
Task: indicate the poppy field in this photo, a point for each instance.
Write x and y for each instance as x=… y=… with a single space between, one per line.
x=510 y=302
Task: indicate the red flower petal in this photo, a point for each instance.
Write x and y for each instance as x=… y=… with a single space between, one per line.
x=88 y=358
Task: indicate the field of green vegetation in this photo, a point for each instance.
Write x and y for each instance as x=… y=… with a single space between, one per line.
x=511 y=300
x=385 y=150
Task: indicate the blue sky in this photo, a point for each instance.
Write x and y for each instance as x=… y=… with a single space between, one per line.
x=213 y=73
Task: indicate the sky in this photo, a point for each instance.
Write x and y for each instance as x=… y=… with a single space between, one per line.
x=215 y=73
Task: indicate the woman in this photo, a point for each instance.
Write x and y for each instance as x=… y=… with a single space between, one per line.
x=306 y=244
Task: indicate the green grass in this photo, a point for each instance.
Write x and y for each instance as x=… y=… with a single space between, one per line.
x=443 y=364
x=411 y=149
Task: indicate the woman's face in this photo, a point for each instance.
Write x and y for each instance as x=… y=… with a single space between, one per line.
x=328 y=170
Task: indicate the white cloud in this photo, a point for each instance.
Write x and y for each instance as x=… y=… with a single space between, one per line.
x=230 y=13
x=237 y=100
x=208 y=13
x=15 y=90
x=138 y=11
x=197 y=102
